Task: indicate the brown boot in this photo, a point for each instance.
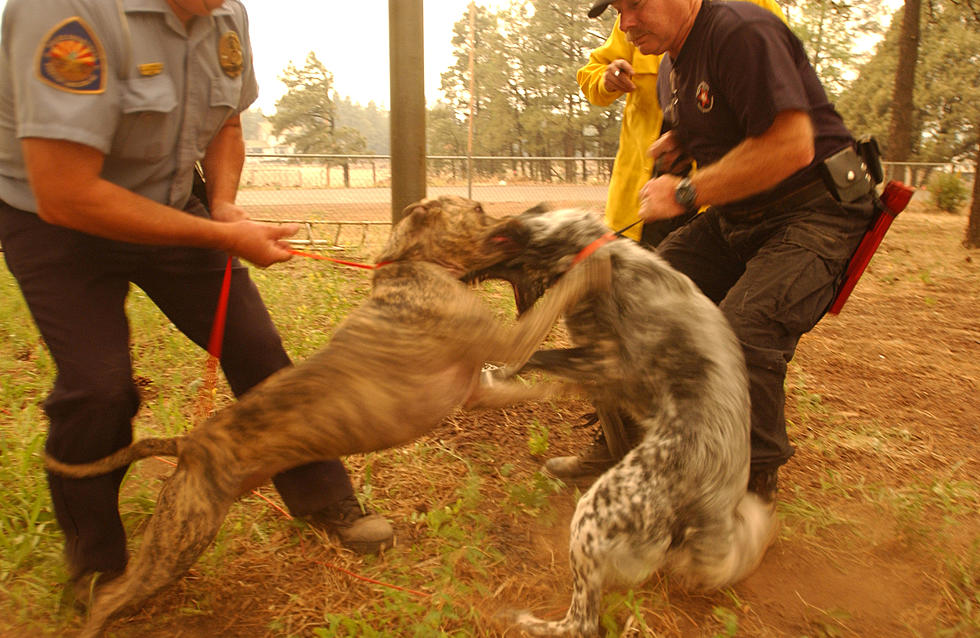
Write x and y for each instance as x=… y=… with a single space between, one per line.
x=358 y=529
x=584 y=468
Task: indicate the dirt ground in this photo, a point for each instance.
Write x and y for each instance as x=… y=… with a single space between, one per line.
x=880 y=507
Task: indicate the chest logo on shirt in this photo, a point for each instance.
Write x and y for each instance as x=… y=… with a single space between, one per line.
x=71 y=58
x=703 y=97
x=230 y=54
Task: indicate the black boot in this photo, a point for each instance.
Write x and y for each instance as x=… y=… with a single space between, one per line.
x=762 y=482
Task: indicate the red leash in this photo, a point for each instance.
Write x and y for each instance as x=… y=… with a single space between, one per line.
x=205 y=402
x=339 y=261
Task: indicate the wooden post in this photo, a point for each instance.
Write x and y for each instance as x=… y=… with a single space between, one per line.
x=407 y=98
x=471 y=42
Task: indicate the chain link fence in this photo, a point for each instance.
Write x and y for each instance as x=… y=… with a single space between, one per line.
x=346 y=199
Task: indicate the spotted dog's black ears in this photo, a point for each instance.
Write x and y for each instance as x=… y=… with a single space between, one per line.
x=538 y=209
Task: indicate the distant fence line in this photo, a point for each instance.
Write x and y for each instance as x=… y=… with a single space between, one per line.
x=263 y=170
x=340 y=200
x=343 y=200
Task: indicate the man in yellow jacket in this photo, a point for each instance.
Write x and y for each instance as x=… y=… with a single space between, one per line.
x=615 y=68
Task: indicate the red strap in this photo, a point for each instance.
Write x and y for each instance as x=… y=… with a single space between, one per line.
x=218 y=328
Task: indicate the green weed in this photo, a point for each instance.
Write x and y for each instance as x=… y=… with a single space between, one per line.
x=537 y=443
x=963 y=591
x=532 y=497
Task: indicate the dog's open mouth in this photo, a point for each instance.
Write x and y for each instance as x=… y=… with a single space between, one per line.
x=508 y=238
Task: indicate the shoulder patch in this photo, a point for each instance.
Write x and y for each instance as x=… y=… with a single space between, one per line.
x=71 y=58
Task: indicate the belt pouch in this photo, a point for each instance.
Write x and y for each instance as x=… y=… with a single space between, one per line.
x=846 y=176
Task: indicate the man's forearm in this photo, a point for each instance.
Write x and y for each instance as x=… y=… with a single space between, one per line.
x=758 y=163
x=223 y=163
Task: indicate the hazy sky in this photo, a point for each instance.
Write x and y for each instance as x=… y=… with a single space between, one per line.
x=351 y=40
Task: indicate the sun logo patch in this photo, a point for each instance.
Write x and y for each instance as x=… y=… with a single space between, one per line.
x=703 y=96
x=71 y=58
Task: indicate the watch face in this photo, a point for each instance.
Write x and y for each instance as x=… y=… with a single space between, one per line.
x=685 y=194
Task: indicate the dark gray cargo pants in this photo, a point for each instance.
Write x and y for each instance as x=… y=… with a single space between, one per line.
x=773 y=279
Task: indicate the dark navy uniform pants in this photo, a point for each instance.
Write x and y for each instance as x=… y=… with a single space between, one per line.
x=773 y=279
x=75 y=286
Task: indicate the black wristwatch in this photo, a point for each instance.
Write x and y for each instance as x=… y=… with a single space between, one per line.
x=685 y=194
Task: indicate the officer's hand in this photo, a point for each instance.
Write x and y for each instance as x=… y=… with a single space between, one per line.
x=665 y=148
x=258 y=243
x=657 y=199
x=618 y=77
x=228 y=212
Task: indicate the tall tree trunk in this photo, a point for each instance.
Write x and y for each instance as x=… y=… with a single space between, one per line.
x=899 y=145
x=972 y=238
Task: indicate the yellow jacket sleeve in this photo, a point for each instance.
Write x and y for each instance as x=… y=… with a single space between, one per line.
x=772 y=6
x=640 y=123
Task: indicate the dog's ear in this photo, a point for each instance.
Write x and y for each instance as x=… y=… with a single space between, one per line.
x=509 y=232
x=414 y=231
x=537 y=209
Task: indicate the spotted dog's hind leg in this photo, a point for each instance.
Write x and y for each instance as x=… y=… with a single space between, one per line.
x=617 y=536
x=582 y=618
x=589 y=561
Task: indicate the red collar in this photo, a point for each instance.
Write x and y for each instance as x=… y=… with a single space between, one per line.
x=594 y=246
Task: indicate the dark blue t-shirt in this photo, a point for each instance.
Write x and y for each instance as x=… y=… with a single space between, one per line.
x=739 y=67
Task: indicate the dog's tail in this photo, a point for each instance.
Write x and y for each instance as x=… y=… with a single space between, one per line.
x=138 y=450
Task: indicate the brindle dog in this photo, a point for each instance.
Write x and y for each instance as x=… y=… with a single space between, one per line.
x=658 y=352
x=397 y=366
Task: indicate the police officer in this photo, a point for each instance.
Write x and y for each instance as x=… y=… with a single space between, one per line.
x=789 y=197
x=105 y=107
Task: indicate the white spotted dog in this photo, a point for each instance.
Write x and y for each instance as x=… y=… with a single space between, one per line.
x=677 y=501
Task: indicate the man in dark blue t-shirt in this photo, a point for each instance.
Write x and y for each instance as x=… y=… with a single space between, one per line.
x=788 y=197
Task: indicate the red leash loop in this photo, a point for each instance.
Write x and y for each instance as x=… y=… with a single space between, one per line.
x=205 y=400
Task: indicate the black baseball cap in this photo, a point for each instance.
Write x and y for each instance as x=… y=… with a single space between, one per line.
x=598 y=7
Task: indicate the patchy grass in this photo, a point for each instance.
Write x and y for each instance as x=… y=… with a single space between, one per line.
x=880 y=507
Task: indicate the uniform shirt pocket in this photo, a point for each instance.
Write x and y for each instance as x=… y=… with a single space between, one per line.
x=148 y=127
x=223 y=103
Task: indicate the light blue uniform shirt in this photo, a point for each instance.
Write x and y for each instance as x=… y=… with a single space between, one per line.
x=143 y=90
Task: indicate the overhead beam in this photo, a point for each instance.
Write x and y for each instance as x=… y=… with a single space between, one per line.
x=405 y=44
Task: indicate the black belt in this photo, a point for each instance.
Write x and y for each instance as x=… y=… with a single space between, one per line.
x=789 y=201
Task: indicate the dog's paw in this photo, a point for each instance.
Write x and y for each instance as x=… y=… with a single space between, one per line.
x=509 y=621
x=492 y=373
